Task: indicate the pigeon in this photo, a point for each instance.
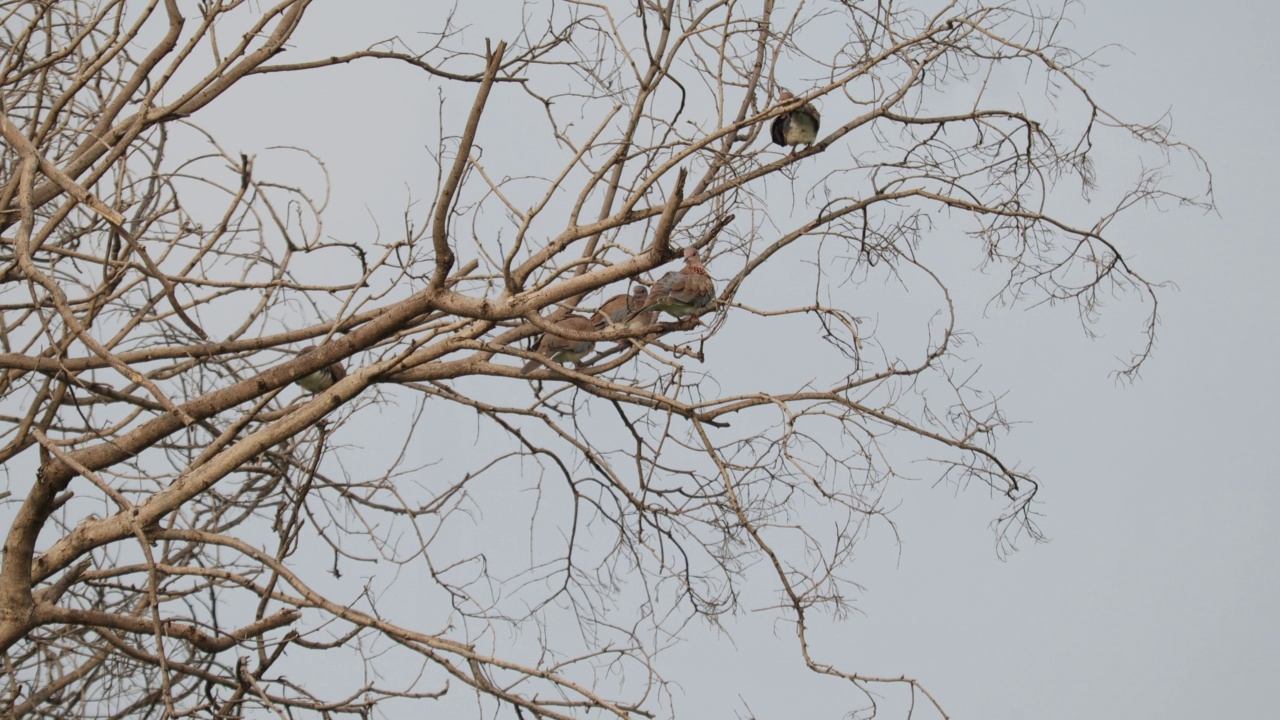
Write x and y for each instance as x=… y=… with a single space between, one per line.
x=563 y=350
x=322 y=379
x=620 y=307
x=680 y=293
x=798 y=127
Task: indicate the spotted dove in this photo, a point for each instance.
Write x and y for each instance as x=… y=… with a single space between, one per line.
x=564 y=350
x=620 y=307
x=680 y=293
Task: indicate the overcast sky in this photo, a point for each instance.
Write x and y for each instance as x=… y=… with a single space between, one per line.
x=1157 y=595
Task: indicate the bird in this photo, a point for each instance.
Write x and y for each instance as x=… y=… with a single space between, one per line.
x=680 y=293
x=798 y=127
x=618 y=308
x=564 y=350
x=322 y=379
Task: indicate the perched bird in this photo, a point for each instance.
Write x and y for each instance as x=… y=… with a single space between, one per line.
x=680 y=293
x=322 y=379
x=564 y=350
x=619 y=308
x=798 y=127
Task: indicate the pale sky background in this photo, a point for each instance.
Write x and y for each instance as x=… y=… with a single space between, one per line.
x=1157 y=595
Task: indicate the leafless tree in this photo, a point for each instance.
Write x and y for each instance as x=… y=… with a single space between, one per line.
x=186 y=531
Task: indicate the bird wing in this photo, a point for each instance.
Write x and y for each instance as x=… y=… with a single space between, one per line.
x=662 y=289
x=692 y=289
x=553 y=346
x=778 y=130
x=612 y=311
x=812 y=112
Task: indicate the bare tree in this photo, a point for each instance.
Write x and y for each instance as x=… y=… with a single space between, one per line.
x=187 y=531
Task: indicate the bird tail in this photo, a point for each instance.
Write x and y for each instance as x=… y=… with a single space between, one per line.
x=635 y=314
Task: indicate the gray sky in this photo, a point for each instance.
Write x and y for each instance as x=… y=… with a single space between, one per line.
x=1156 y=596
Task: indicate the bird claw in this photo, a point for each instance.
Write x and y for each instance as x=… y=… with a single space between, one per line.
x=689 y=322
